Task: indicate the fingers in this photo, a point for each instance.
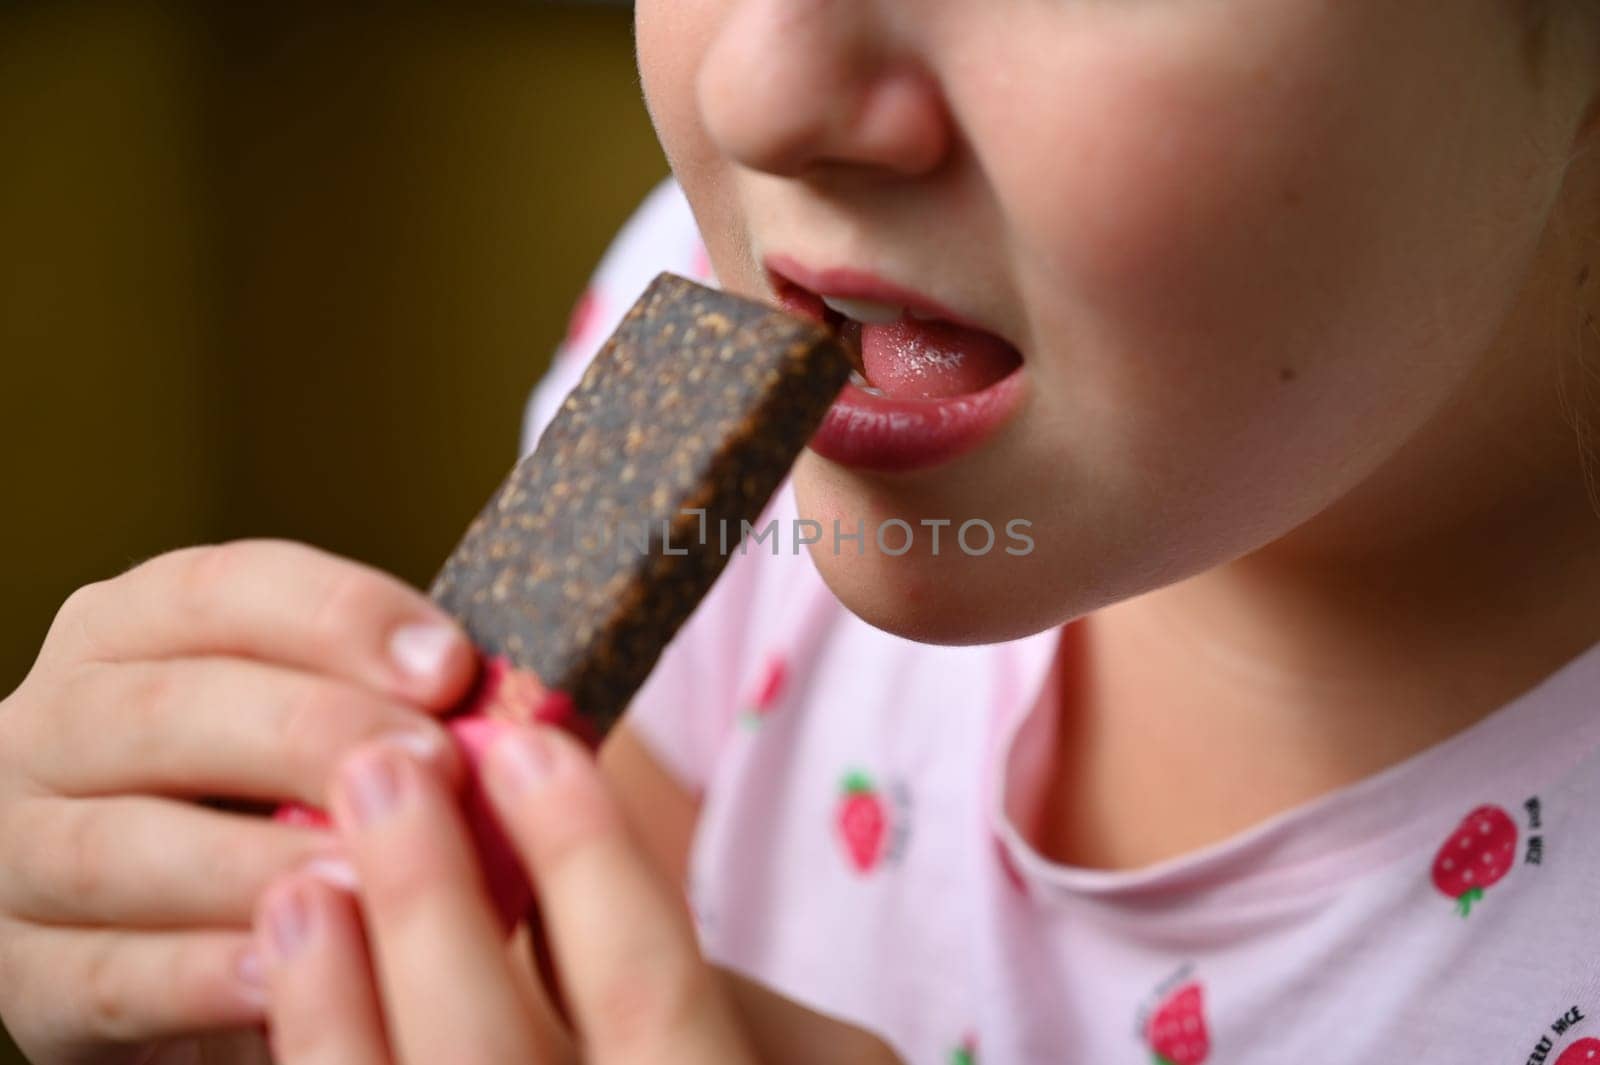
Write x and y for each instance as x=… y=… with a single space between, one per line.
x=526 y=955
x=437 y=944
x=325 y=1008
x=214 y=726
x=145 y=862
x=630 y=968
x=92 y=986
x=280 y=602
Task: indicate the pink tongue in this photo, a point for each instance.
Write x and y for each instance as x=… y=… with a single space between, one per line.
x=913 y=359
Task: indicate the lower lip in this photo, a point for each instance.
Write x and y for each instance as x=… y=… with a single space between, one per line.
x=889 y=435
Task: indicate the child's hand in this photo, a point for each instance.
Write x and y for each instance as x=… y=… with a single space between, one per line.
x=439 y=984
x=239 y=672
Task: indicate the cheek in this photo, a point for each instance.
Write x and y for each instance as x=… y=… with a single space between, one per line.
x=672 y=38
x=1174 y=195
x=1226 y=243
x=669 y=39
x=1178 y=272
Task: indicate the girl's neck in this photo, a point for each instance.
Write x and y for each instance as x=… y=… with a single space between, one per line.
x=1188 y=715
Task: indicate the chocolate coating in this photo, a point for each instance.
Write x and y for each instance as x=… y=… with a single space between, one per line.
x=593 y=551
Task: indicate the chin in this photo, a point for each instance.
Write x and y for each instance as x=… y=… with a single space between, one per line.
x=926 y=600
x=951 y=597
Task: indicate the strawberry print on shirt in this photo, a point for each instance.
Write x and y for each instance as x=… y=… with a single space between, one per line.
x=872 y=821
x=1477 y=855
x=767 y=693
x=965 y=1053
x=862 y=819
x=1583 y=1052
x=1177 y=1033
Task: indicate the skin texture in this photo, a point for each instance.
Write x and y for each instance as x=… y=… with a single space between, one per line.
x=1296 y=287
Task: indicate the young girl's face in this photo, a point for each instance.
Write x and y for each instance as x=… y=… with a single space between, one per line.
x=1253 y=254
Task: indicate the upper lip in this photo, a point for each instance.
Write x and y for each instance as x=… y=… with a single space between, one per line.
x=846 y=283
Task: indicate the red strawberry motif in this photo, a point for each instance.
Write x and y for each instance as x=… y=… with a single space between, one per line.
x=765 y=699
x=1583 y=1052
x=772 y=684
x=1177 y=1033
x=1476 y=856
x=966 y=1053
x=863 y=821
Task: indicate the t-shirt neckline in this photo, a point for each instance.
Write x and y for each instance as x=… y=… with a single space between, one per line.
x=1304 y=851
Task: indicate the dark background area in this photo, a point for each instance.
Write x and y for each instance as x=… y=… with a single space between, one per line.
x=286 y=270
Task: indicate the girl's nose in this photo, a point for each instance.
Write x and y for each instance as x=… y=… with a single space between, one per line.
x=791 y=85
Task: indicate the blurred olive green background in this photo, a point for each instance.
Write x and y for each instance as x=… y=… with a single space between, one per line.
x=286 y=270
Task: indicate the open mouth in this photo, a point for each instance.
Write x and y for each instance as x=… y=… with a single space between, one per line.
x=902 y=353
x=927 y=387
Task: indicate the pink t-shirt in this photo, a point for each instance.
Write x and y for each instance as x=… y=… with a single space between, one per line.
x=858 y=848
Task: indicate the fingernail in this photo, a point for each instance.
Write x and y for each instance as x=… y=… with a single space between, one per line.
x=289 y=923
x=251 y=976
x=371 y=785
x=523 y=756
x=336 y=871
x=424 y=746
x=420 y=649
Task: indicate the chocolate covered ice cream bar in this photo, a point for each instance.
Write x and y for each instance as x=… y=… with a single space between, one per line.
x=603 y=540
